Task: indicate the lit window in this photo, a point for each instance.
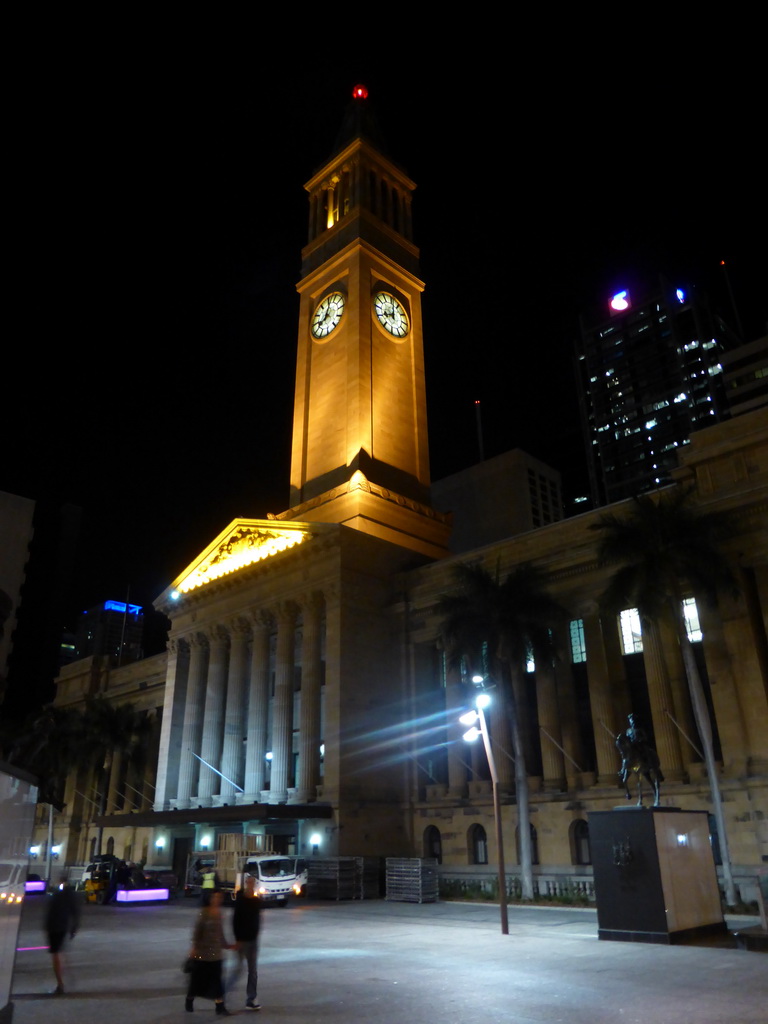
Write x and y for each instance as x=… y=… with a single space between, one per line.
x=691 y=616
x=578 y=647
x=631 y=632
x=530 y=664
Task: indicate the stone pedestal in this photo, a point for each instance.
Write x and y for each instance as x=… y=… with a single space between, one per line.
x=655 y=878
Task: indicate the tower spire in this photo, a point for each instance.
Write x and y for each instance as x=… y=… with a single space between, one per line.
x=359 y=123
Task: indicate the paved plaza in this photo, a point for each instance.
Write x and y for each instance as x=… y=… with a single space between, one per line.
x=375 y=962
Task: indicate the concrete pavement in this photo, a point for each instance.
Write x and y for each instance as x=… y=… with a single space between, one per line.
x=375 y=962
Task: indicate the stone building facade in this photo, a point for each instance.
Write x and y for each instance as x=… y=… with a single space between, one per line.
x=304 y=692
x=578 y=706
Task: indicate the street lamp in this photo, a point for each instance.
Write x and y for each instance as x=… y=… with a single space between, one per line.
x=472 y=718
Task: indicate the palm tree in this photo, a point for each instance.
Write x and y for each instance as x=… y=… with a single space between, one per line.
x=667 y=549
x=110 y=730
x=63 y=739
x=48 y=744
x=494 y=625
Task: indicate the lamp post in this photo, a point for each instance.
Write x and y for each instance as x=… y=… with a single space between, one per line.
x=470 y=718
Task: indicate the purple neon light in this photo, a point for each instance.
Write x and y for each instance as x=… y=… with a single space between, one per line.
x=141 y=895
x=34 y=887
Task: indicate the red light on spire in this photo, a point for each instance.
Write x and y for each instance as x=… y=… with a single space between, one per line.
x=360 y=92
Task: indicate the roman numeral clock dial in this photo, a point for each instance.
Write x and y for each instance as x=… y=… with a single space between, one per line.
x=391 y=315
x=328 y=315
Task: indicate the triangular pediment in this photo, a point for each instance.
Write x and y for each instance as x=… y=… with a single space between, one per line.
x=243 y=543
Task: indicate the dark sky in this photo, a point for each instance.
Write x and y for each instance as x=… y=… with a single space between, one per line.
x=162 y=216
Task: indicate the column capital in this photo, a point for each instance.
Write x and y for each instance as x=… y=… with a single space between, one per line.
x=312 y=601
x=286 y=612
x=261 y=619
x=239 y=628
x=198 y=639
x=218 y=636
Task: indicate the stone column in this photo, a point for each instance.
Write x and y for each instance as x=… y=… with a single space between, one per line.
x=193 y=717
x=678 y=685
x=311 y=680
x=660 y=695
x=171 y=731
x=732 y=648
x=550 y=736
x=572 y=739
x=603 y=665
x=312 y=217
x=213 y=725
x=258 y=708
x=233 y=755
x=570 y=730
x=148 y=783
x=113 y=781
x=354 y=184
x=282 y=709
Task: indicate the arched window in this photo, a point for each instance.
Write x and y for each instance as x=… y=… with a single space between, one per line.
x=433 y=846
x=93 y=848
x=579 y=838
x=534 y=845
x=110 y=845
x=478 y=845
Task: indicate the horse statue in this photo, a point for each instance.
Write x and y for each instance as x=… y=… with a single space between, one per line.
x=638 y=756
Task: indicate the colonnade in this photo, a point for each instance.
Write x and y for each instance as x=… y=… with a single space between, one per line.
x=568 y=756
x=229 y=703
x=357 y=184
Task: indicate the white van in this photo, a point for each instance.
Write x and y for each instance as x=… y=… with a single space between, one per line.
x=277 y=877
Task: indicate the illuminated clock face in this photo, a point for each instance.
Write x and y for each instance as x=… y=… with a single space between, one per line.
x=391 y=314
x=328 y=315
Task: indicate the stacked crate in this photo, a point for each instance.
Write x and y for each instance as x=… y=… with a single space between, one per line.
x=368 y=878
x=332 y=878
x=412 y=879
x=343 y=878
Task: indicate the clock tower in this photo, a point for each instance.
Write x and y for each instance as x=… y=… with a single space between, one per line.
x=360 y=449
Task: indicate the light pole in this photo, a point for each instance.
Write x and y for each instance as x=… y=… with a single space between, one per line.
x=470 y=718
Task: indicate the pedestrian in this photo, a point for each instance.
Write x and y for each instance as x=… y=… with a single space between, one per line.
x=245 y=924
x=62 y=916
x=205 y=957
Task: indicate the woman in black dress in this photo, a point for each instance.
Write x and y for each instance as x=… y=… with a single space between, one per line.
x=206 y=955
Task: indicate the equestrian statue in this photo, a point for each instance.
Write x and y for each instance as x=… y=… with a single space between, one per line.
x=638 y=756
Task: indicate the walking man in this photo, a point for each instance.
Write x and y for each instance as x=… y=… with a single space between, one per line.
x=245 y=925
x=62 y=916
